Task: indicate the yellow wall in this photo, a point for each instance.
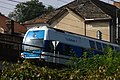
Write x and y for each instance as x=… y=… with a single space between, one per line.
x=70 y=22
x=93 y=27
x=76 y=24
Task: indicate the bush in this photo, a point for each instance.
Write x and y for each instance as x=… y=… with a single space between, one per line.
x=106 y=67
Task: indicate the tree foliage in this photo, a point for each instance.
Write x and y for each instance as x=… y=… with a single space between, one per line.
x=29 y=10
x=98 y=67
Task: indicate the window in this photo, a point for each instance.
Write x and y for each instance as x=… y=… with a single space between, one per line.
x=48 y=46
x=112 y=47
x=92 y=44
x=104 y=45
x=99 y=35
x=117 y=48
x=77 y=50
x=99 y=47
x=69 y=50
x=34 y=38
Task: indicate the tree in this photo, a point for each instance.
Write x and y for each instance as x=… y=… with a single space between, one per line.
x=29 y=10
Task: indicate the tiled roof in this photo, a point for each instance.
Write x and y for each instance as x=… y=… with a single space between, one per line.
x=18 y=28
x=88 y=9
x=43 y=18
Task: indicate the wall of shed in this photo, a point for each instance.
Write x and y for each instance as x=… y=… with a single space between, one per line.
x=74 y=23
x=70 y=22
x=93 y=27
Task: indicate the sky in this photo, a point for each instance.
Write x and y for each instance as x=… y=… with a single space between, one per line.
x=7 y=6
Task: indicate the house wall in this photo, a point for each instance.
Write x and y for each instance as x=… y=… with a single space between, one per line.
x=2 y=23
x=73 y=23
x=93 y=27
x=70 y=22
x=18 y=28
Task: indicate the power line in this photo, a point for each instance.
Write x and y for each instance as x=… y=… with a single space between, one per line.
x=7 y=3
x=15 y=1
x=24 y=3
x=6 y=7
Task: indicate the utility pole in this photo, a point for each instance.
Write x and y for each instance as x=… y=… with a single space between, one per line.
x=117 y=26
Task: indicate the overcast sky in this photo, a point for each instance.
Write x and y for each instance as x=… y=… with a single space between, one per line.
x=7 y=6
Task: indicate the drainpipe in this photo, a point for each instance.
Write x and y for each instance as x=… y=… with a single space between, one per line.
x=85 y=28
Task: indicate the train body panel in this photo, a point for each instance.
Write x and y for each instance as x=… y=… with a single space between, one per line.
x=68 y=43
x=68 y=39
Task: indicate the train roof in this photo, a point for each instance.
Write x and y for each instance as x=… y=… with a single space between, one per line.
x=67 y=32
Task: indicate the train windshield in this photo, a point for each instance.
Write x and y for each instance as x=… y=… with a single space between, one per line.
x=34 y=38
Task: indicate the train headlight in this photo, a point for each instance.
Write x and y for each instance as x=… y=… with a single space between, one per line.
x=43 y=55
x=22 y=55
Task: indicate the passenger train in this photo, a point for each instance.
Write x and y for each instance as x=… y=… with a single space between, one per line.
x=58 y=46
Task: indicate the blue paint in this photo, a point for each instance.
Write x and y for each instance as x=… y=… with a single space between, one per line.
x=35 y=34
x=33 y=54
x=33 y=38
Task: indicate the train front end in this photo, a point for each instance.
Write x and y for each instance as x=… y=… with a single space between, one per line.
x=33 y=44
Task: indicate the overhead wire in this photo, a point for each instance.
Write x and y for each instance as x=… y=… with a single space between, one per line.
x=7 y=3
x=6 y=7
x=23 y=2
x=15 y=1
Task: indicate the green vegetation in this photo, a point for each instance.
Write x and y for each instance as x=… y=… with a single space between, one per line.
x=29 y=10
x=98 y=67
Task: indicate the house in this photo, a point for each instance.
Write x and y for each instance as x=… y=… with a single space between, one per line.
x=117 y=4
x=91 y=18
x=11 y=36
x=9 y=26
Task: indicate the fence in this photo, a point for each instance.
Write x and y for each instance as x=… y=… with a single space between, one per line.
x=11 y=47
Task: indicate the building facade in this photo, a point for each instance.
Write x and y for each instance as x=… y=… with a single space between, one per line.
x=91 y=18
x=9 y=26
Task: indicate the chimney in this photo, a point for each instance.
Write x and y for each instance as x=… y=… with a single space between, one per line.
x=10 y=26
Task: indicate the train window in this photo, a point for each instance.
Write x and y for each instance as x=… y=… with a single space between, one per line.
x=92 y=44
x=77 y=50
x=112 y=47
x=117 y=48
x=68 y=50
x=104 y=45
x=60 y=48
x=99 y=47
x=34 y=35
x=48 y=46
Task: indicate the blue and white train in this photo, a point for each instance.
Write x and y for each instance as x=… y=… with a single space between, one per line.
x=58 y=43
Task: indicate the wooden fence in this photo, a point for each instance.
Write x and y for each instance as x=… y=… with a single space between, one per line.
x=10 y=46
